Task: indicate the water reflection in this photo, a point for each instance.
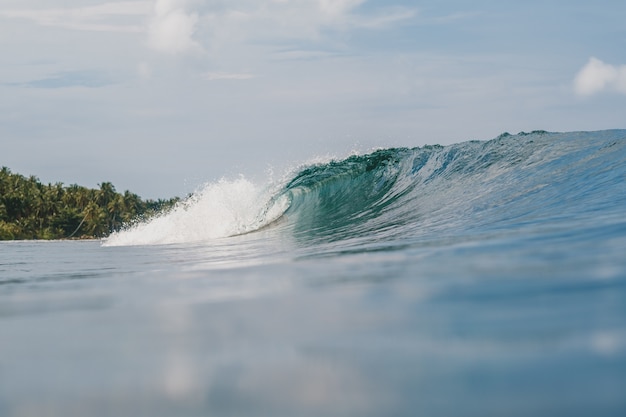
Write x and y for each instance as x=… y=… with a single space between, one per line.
x=392 y=332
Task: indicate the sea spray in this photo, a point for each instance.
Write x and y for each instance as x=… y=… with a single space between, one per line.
x=220 y=209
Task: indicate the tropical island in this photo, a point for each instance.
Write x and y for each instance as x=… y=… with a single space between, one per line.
x=32 y=210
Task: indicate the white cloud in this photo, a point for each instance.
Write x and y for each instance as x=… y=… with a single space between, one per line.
x=188 y=26
x=597 y=76
x=212 y=76
x=144 y=71
x=105 y=17
x=338 y=7
x=384 y=19
x=220 y=26
x=172 y=27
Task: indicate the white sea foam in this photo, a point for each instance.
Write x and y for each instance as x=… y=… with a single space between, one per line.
x=221 y=209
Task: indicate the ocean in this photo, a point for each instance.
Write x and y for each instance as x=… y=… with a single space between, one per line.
x=486 y=278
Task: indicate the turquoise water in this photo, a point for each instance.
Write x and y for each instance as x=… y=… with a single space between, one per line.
x=484 y=278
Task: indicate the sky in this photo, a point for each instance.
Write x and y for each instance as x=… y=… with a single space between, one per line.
x=161 y=96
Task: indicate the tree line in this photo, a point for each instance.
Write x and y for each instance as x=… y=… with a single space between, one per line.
x=32 y=210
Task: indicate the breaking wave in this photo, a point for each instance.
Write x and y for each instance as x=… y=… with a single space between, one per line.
x=529 y=180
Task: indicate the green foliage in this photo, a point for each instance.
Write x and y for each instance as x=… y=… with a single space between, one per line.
x=32 y=210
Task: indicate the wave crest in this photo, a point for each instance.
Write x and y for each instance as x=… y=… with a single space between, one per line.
x=472 y=187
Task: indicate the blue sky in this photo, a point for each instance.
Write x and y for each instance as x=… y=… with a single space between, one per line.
x=160 y=96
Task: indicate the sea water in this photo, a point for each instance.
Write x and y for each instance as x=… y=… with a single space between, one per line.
x=479 y=279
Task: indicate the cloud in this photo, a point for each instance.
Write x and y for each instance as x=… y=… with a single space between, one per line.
x=88 y=79
x=105 y=17
x=212 y=76
x=194 y=26
x=597 y=76
x=172 y=27
x=303 y=55
x=218 y=26
x=338 y=7
x=383 y=19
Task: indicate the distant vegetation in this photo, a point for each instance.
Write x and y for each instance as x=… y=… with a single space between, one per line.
x=32 y=210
